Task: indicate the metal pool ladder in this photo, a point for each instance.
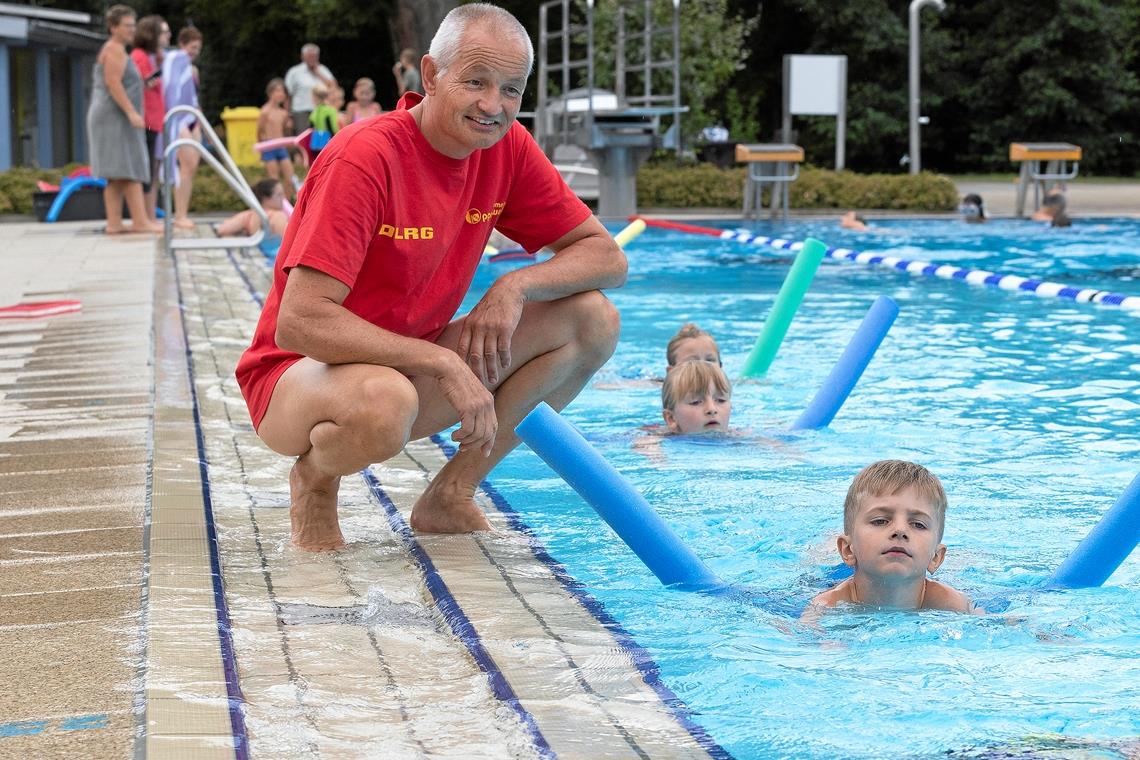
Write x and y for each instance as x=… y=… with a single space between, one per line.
x=230 y=173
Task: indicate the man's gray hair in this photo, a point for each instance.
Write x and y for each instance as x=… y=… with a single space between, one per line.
x=310 y=47
x=445 y=44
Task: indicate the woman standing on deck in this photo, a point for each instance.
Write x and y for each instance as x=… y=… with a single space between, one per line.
x=115 y=127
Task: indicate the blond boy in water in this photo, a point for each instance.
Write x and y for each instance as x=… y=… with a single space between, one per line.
x=893 y=519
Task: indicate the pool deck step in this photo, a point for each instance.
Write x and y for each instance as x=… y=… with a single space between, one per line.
x=152 y=594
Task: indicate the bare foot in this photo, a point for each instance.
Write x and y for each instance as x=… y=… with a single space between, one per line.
x=145 y=227
x=183 y=224
x=445 y=508
x=312 y=509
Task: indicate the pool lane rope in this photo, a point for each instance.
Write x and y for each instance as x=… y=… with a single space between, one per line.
x=784 y=309
x=563 y=448
x=847 y=371
x=1106 y=546
x=943 y=271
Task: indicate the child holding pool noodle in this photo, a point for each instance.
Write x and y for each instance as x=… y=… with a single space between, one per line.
x=893 y=519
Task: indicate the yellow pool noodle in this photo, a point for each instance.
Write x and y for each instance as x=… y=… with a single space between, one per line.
x=635 y=228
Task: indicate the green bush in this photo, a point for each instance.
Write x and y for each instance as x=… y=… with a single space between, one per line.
x=17 y=186
x=671 y=185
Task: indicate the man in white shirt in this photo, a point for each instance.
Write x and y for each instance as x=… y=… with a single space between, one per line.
x=300 y=81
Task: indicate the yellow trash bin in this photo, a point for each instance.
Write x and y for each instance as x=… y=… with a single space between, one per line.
x=241 y=134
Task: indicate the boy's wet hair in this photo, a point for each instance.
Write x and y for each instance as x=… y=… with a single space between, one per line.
x=274 y=83
x=886 y=478
x=692 y=378
x=687 y=331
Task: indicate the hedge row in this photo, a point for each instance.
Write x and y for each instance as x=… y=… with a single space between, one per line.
x=211 y=193
x=705 y=185
x=659 y=185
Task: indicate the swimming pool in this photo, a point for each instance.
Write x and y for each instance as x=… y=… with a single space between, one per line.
x=1025 y=407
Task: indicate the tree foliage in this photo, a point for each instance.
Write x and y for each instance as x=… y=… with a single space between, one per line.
x=993 y=71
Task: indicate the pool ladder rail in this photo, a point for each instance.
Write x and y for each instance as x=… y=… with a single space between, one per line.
x=229 y=172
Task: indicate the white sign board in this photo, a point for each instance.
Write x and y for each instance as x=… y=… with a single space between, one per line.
x=816 y=84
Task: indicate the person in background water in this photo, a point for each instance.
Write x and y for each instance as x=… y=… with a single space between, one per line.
x=364 y=105
x=972 y=209
x=852 y=221
x=407 y=73
x=180 y=88
x=691 y=342
x=152 y=37
x=1053 y=210
x=116 y=127
x=300 y=81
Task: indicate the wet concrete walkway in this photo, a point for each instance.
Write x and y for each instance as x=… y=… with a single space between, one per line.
x=158 y=608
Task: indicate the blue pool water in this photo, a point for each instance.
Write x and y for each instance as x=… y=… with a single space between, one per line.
x=1025 y=407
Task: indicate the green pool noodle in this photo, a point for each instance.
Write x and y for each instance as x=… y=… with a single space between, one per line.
x=784 y=309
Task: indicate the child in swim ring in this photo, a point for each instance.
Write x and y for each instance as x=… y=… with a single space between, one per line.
x=892 y=531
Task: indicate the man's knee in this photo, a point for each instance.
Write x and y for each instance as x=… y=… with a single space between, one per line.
x=380 y=415
x=597 y=321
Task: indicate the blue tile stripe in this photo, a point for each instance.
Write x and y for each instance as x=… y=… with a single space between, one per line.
x=456 y=618
x=225 y=632
x=642 y=660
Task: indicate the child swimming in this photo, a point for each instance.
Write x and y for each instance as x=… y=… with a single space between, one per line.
x=696 y=397
x=893 y=519
x=691 y=342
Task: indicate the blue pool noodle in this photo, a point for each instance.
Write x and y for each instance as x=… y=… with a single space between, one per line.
x=1107 y=545
x=847 y=371
x=68 y=186
x=562 y=447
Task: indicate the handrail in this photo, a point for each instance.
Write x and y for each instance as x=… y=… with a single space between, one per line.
x=230 y=173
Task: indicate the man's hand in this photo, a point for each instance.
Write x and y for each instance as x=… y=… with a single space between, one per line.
x=475 y=405
x=485 y=339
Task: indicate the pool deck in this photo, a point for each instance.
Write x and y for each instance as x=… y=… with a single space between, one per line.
x=154 y=607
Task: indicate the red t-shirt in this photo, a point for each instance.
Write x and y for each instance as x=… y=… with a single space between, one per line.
x=404 y=227
x=154 y=107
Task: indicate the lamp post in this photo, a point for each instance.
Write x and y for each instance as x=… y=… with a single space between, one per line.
x=915 y=143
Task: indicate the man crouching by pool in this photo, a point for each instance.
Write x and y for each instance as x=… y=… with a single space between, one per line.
x=354 y=354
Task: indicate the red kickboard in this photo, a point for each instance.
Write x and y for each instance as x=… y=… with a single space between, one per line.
x=39 y=309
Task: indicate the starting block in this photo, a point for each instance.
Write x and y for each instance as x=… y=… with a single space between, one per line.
x=1061 y=161
x=775 y=163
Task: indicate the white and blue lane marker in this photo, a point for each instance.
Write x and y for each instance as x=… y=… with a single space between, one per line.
x=945 y=271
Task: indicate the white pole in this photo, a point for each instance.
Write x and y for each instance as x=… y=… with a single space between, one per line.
x=915 y=143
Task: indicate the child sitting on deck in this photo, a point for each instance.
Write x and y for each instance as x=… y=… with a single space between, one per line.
x=696 y=398
x=892 y=528
x=271 y=196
